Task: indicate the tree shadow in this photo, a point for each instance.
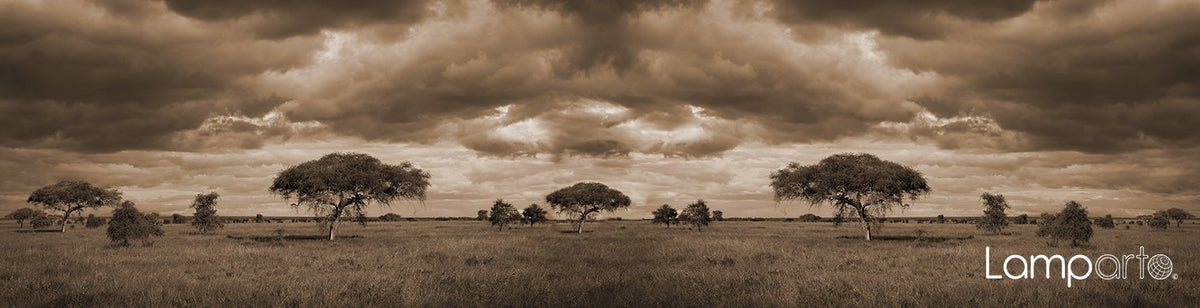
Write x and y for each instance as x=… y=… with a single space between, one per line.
x=909 y=238
x=275 y=238
x=39 y=231
x=573 y=231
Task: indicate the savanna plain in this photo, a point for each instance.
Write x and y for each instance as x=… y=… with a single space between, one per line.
x=613 y=263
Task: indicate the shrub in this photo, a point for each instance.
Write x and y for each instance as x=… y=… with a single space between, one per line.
x=1021 y=219
x=1105 y=222
x=130 y=224
x=810 y=218
x=390 y=217
x=41 y=220
x=94 y=222
x=1071 y=224
x=1159 y=222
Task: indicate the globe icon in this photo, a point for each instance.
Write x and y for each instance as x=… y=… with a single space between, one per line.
x=1159 y=266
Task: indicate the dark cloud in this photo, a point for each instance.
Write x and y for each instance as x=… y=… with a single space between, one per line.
x=921 y=19
x=285 y=18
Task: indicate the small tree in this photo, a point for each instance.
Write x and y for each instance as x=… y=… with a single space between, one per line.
x=503 y=214
x=390 y=217
x=258 y=218
x=130 y=224
x=41 y=220
x=1176 y=214
x=697 y=215
x=859 y=185
x=22 y=214
x=1158 y=222
x=94 y=222
x=665 y=215
x=533 y=214
x=205 y=219
x=583 y=199
x=178 y=219
x=481 y=215
x=1105 y=222
x=993 y=220
x=941 y=219
x=1021 y=219
x=347 y=182
x=809 y=218
x=72 y=197
x=1071 y=224
x=718 y=215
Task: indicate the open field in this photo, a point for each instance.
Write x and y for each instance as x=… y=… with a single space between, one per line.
x=626 y=263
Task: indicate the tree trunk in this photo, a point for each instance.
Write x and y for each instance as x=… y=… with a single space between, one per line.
x=337 y=214
x=64 y=221
x=866 y=223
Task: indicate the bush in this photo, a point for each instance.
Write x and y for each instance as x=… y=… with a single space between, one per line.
x=390 y=217
x=130 y=224
x=810 y=218
x=1159 y=222
x=1071 y=224
x=94 y=222
x=41 y=220
x=1105 y=222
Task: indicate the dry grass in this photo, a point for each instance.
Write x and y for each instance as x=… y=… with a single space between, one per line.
x=630 y=263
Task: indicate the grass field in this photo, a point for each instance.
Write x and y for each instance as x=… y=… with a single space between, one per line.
x=627 y=263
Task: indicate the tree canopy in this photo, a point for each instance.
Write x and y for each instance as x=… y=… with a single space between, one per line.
x=72 y=197
x=534 y=214
x=1176 y=214
x=696 y=214
x=665 y=215
x=502 y=214
x=586 y=198
x=854 y=184
x=205 y=218
x=1071 y=224
x=994 y=219
x=347 y=182
x=23 y=214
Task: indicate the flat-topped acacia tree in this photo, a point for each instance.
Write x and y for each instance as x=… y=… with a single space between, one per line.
x=347 y=182
x=72 y=197
x=583 y=199
x=854 y=184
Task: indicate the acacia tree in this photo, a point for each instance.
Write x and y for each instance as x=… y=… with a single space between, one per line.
x=665 y=215
x=854 y=184
x=72 y=197
x=1176 y=214
x=586 y=198
x=341 y=182
x=1071 y=224
x=993 y=220
x=205 y=219
x=533 y=214
x=696 y=214
x=502 y=214
x=22 y=214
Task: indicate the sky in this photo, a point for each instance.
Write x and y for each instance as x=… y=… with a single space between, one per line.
x=669 y=101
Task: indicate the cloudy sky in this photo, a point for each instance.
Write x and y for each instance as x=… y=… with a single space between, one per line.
x=669 y=101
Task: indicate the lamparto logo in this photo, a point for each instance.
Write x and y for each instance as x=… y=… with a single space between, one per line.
x=1106 y=266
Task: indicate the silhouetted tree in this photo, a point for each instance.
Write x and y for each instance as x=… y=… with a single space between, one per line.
x=258 y=218
x=854 y=184
x=665 y=215
x=178 y=219
x=1158 y=221
x=718 y=215
x=390 y=217
x=1105 y=222
x=130 y=224
x=1176 y=214
x=341 y=182
x=502 y=214
x=809 y=218
x=1021 y=219
x=696 y=214
x=1070 y=224
x=993 y=220
x=533 y=214
x=481 y=215
x=72 y=197
x=583 y=199
x=22 y=214
x=205 y=218
x=941 y=219
x=94 y=222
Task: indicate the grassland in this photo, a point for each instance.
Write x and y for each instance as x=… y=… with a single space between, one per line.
x=628 y=263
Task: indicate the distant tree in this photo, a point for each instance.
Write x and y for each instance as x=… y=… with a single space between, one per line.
x=1071 y=224
x=178 y=219
x=94 y=222
x=583 y=199
x=481 y=215
x=22 y=214
x=1106 y=222
x=502 y=214
x=1021 y=219
x=718 y=215
x=809 y=218
x=258 y=218
x=1176 y=214
x=941 y=219
x=72 y=197
x=533 y=214
x=993 y=220
x=130 y=224
x=665 y=215
x=347 y=182
x=390 y=217
x=1159 y=222
x=854 y=184
x=696 y=214
x=205 y=218
x=41 y=220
